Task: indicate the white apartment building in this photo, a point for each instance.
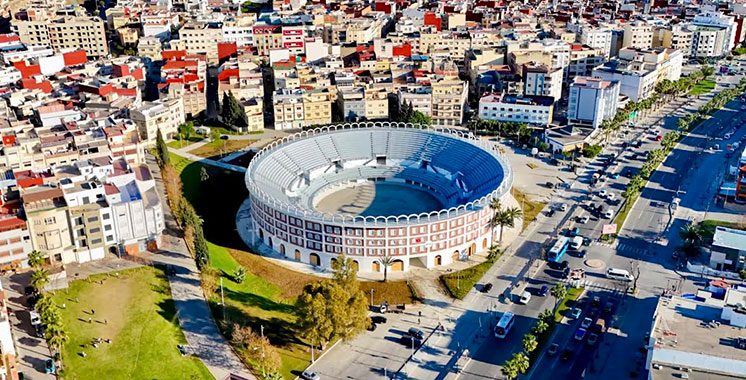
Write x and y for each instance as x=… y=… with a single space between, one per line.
x=711 y=21
x=638 y=34
x=166 y=114
x=540 y=80
x=202 y=38
x=449 y=100
x=509 y=108
x=592 y=100
x=66 y=33
x=596 y=38
x=638 y=71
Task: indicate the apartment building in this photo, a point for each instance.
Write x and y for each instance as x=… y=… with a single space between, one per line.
x=535 y=110
x=596 y=38
x=266 y=38
x=288 y=107
x=638 y=70
x=541 y=80
x=46 y=212
x=66 y=33
x=449 y=101
x=165 y=114
x=582 y=61
x=592 y=100
x=317 y=106
x=677 y=37
x=184 y=76
x=202 y=38
x=420 y=98
x=638 y=34
x=86 y=206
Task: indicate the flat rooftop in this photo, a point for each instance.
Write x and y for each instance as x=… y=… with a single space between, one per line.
x=686 y=335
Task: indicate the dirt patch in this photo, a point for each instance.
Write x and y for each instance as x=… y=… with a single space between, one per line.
x=290 y=281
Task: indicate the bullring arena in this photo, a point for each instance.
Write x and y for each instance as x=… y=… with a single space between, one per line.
x=372 y=190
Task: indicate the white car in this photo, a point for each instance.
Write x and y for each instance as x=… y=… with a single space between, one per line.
x=603 y=193
x=525 y=298
x=562 y=206
x=587 y=322
x=35 y=319
x=611 y=196
x=608 y=214
x=583 y=219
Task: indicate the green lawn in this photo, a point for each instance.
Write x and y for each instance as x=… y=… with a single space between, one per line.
x=708 y=227
x=140 y=320
x=178 y=144
x=572 y=295
x=220 y=147
x=461 y=282
x=623 y=213
x=703 y=87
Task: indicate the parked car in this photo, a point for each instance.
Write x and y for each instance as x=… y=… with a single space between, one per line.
x=49 y=367
x=39 y=330
x=543 y=291
x=553 y=349
x=415 y=332
x=562 y=206
x=611 y=196
x=372 y=326
x=566 y=272
x=35 y=319
x=592 y=339
x=587 y=322
x=378 y=319
x=608 y=214
x=583 y=219
x=550 y=213
x=608 y=308
x=525 y=298
x=603 y=193
x=575 y=312
x=486 y=287
x=410 y=341
x=580 y=334
x=572 y=232
x=550 y=185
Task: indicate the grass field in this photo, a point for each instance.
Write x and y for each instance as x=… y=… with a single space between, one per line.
x=220 y=147
x=178 y=144
x=708 y=228
x=267 y=295
x=140 y=320
x=703 y=87
x=530 y=208
x=621 y=216
x=460 y=283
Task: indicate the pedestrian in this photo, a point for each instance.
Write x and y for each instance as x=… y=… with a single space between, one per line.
x=418 y=321
x=93 y=312
x=106 y=322
x=419 y=313
x=90 y=320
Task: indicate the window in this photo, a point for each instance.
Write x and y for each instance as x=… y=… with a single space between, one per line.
x=105 y=216
x=50 y=220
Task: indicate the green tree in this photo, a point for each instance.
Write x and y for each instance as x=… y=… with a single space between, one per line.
x=56 y=336
x=496 y=207
x=510 y=370
x=239 y=275
x=420 y=118
x=559 y=292
x=186 y=130
x=540 y=327
x=344 y=273
x=232 y=111
x=529 y=343
x=35 y=259
x=507 y=218
x=707 y=71
x=39 y=279
x=201 y=250
x=161 y=150
x=327 y=311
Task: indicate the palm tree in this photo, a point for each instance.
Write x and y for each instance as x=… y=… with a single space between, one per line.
x=35 y=259
x=496 y=207
x=510 y=370
x=57 y=336
x=521 y=362
x=691 y=233
x=529 y=343
x=39 y=279
x=559 y=291
x=507 y=218
x=707 y=71
x=540 y=327
x=386 y=261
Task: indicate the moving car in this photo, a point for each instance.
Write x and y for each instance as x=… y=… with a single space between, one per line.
x=525 y=298
x=575 y=312
x=580 y=334
x=410 y=341
x=587 y=322
x=592 y=339
x=553 y=349
x=308 y=375
x=566 y=354
x=415 y=332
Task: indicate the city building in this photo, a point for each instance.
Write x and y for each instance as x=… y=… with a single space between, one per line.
x=728 y=249
x=65 y=33
x=535 y=110
x=638 y=70
x=541 y=80
x=592 y=100
x=638 y=35
x=165 y=114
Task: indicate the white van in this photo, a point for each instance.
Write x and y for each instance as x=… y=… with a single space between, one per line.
x=576 y=242
x=619 y=274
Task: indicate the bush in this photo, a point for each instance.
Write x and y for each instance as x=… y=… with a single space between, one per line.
x=742 y=274
x=591 y=151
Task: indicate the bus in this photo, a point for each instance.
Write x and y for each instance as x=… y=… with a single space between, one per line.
x=559 y=249
x=504 y=325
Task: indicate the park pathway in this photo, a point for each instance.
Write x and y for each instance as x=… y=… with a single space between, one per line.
x=195 y=317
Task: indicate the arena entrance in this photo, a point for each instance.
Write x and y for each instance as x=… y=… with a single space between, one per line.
x=297 y=255
x=397 y=266
x=314 y=260
x=375 y=267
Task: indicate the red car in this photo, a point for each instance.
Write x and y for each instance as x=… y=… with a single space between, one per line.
x=659 y=138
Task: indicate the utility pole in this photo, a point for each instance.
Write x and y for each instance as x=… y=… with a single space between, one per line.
x=371 y=297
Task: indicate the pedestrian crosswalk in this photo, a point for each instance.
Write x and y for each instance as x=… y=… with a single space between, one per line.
x=622 y=247
x=598 y=285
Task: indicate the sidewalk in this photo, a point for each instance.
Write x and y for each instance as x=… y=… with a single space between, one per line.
x=195 y=317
